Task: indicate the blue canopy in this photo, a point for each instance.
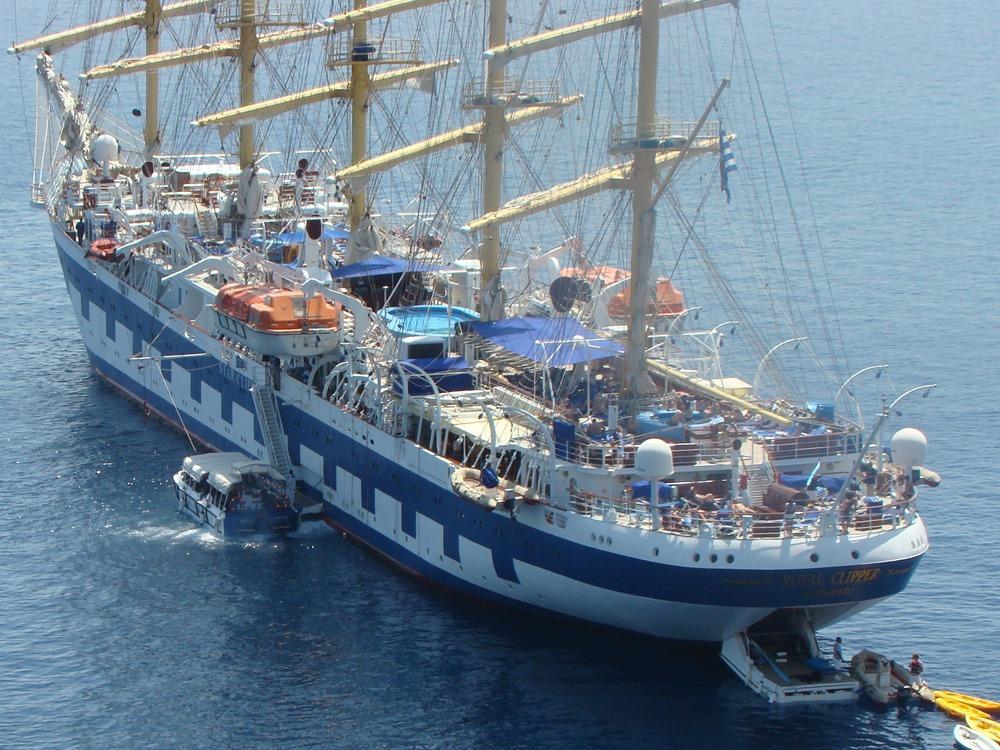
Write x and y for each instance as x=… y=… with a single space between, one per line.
x=799 y=481
x=299 y=235
x=552 y=341
x=380 y=265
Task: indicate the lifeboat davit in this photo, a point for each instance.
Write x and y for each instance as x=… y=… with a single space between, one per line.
x=276 y=321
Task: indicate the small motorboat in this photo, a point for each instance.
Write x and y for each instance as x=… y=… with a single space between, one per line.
x=882 y=679
x=234 y=494
x=971 y=739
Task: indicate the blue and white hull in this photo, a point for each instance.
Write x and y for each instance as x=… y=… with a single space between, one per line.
x=395 y=497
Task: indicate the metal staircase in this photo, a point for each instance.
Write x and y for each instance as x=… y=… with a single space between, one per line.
x=756 y=462
x=412 y=290
x=270 y=423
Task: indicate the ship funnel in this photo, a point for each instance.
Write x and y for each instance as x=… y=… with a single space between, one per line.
x=909 y=448
x=654 y=460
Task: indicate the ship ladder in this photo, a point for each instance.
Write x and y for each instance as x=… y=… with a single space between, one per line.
x=270 y=422
x=760 y=473
x=412 y=289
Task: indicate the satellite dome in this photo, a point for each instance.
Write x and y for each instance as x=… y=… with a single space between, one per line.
x=909 y=447
x=104 y=148
x=654 y=459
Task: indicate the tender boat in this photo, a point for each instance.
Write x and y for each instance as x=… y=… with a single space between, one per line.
x=233 y=494
x=882 y=679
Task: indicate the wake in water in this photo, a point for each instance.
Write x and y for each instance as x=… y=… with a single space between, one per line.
x=171 y=534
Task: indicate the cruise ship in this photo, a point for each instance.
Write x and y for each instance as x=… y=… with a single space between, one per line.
x=544 y=445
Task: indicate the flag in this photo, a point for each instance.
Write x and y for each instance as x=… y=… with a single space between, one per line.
x=727 y=163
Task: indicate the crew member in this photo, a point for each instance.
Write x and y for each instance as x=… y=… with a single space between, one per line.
x=838 y=650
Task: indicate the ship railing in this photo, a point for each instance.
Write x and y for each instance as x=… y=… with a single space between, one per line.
x=614 y=454
x=803 y=523
x=229 y=13
x=344 y=51
x=510 y=92
x=813 y=446
x=663 y=134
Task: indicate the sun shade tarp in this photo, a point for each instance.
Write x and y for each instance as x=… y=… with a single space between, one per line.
x=299 y=235
x=379 y=265
x=552 y=341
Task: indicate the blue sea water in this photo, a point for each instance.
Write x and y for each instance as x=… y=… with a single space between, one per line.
x=123 y=626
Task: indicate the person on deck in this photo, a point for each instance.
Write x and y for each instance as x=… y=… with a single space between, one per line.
x=838 y=651
x=916 y=668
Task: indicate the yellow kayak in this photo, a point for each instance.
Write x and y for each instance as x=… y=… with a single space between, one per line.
x=958 y=710
x=970 y=700
x=986 y=726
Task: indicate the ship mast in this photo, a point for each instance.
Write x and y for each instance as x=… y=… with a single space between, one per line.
x=643 y=214
x=494 y=130
x=247 y=55
x=151 y=130
x=360 y=84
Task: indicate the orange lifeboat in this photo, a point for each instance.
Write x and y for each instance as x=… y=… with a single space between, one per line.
x=104 y=249
x=276 y=321
x=667 y=301
x=275 y=309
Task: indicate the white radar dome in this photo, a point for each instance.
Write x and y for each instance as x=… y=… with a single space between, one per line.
x=654 y=460
x=909 y=448
x=104 y=148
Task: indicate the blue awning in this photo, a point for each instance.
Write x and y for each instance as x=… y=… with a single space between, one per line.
x=552 y=341
x=299 y=235
x=379 y=265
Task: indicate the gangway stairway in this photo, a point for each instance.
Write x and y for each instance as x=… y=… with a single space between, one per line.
x=756 y=464
x=270 y=425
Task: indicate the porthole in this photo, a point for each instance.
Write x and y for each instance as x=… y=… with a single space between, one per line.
x=713 y=557
x=854 y=554
x=696 y=557
x=593 y=537
x=730 y=559
x=656 y=551
x=814 y=557
x=601 y=539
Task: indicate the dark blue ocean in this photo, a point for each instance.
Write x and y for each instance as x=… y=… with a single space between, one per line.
x=123 y=626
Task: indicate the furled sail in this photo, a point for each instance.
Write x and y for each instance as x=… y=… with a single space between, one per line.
x=363 y=242
x=63 y=39
x=230 y=48
x=232 y=118
x=607 y=178
x=574 y=32
x=467 y=134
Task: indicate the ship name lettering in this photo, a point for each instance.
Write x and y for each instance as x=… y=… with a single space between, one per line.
x=861 y=575
x=804 y=579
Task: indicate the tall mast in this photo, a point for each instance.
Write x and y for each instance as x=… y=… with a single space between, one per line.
x=151 y=130
x=643 y=215
x=247 y=54
x=494 y=131
x=360 y=85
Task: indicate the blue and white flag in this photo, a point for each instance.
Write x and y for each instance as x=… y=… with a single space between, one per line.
x=727 y=163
